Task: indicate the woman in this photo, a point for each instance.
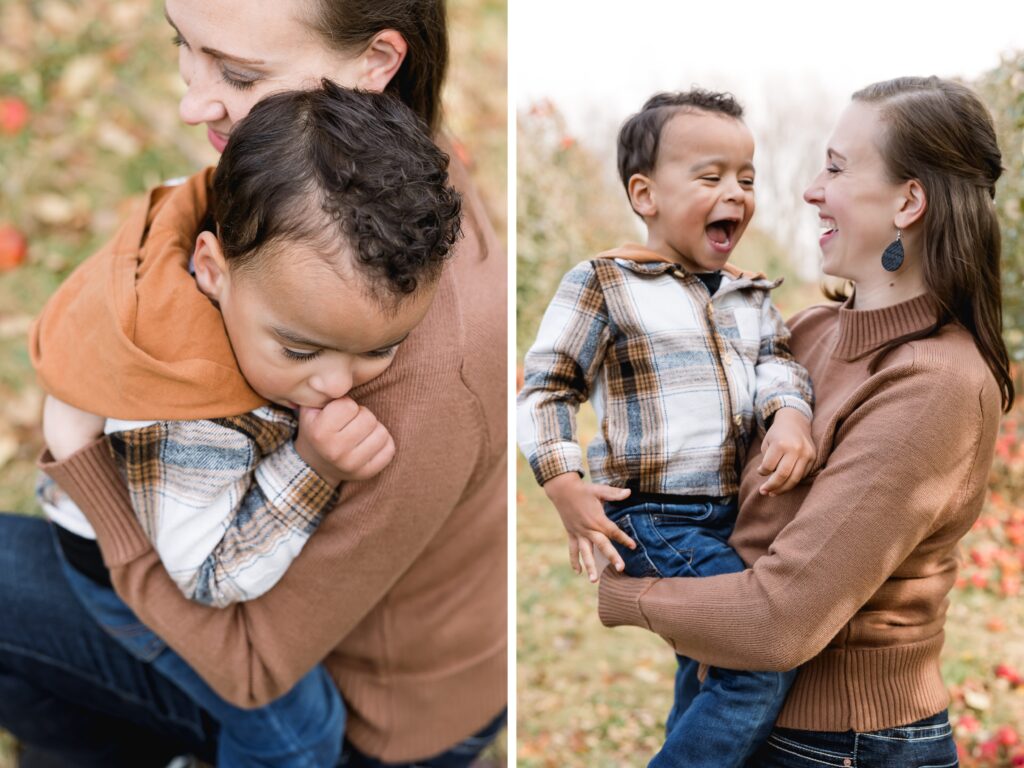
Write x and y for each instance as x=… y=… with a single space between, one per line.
x=851 y=570
x=402 y=595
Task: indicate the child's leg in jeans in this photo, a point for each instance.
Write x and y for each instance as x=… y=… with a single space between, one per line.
x=724 y=723
x=304 y=727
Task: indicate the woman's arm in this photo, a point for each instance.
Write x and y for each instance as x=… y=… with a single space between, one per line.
x=912 y=457
x=253 y=652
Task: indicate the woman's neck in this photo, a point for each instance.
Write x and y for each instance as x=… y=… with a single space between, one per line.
x=888 y=290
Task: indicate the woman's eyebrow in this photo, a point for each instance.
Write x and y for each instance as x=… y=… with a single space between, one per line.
x=213 y=51
x=832 y=153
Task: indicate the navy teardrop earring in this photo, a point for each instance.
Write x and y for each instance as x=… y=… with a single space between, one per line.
x=892 y=258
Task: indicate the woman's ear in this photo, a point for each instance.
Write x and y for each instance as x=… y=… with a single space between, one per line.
x=381 y=60
x=915 y=203
x=641 y=195
x=210 y=266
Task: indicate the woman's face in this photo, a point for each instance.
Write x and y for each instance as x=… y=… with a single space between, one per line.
x=856 y=200
x=232 y=53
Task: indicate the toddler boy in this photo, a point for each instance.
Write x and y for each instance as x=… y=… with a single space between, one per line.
x=198 y=342
x=683 y=357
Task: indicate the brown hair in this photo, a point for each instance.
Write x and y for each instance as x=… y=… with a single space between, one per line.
x=347 y=25
x=640 y=135
x=941 y=134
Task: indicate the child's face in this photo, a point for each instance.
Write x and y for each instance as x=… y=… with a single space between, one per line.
x=305 y=335
x=701 y=192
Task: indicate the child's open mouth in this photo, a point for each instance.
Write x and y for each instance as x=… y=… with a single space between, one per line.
x=720 y=234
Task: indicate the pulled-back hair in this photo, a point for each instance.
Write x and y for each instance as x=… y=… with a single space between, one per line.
x=350 y=25
x=940 y=133
x=337 y=170
x=640 y=135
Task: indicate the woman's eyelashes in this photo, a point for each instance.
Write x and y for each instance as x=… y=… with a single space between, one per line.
x=833 y=169
x=242 y=82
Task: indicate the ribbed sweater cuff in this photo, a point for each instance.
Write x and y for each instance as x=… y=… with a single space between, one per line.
x=91 y=478
x=618 y=599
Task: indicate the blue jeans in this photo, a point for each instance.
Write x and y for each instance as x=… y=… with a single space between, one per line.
x=928 y=743
x=69 y=688
x=301 y=729
x=721 y=722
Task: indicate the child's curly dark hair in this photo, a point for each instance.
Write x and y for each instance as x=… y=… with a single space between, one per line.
x=332 y=164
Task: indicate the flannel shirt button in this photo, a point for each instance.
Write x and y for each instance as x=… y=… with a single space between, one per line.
x=737 y=420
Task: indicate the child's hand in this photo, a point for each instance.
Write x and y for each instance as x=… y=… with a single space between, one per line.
x=787 y=451
x=343 y=441
x=67 y=429
x=579 y=506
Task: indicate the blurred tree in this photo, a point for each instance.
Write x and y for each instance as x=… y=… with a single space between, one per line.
x=1003 y=91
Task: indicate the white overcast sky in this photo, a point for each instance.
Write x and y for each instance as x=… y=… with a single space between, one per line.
x=792 y=63
x=598 y=56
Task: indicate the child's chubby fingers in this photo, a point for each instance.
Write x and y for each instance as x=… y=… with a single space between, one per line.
x=609 y=492
x=769 y=459
x=574 y=553
x=377 y=460
x=614 y=533
x=777 y=483
x=587 y=555
x=604 y=546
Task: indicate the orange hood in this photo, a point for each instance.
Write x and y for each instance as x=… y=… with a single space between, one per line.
x=130 y=336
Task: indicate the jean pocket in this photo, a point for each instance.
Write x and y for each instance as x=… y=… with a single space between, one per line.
x=915 y=746
x=791 y=751
x=638 y=561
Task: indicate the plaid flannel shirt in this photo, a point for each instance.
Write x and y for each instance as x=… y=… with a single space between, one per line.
x=679 y=381
x=228 y=503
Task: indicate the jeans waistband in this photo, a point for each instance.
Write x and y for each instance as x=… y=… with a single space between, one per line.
x=635 y=499
x=83 y=555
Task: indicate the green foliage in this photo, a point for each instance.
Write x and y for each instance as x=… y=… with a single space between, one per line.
x=568 y=209
x=1003 y=91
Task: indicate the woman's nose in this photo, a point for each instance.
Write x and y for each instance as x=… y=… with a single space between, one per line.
x=200 y=103
x=813 y=193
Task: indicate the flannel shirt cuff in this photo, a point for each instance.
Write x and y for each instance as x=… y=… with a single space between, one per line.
x=768 y=408
x=556 y=459
x=289 y=483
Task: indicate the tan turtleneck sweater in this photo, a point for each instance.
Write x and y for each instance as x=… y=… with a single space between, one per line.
x=401 y=591
x=850 y=571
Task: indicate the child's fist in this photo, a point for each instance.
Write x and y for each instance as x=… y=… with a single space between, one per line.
x=787 y=451
x=343 y=441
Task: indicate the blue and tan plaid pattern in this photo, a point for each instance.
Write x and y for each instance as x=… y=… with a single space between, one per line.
x=228 y=503
x=679 y=380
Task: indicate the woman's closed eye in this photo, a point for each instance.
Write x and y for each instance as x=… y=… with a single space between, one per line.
x=833 y=169
x=238 y=80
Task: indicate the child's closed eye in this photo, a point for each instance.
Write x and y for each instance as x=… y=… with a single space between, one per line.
x=292 y=354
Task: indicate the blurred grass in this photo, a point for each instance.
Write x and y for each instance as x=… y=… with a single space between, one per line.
x=100 y=81
x=593 y=697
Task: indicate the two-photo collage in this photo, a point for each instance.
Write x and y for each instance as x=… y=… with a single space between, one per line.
x=484 y=383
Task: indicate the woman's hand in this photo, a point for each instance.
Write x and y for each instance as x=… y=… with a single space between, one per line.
x=787 y=451
x=67 y=429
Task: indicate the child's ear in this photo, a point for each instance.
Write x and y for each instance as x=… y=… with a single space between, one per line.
x=641 y=195
x=381 y=60
x=210 y=266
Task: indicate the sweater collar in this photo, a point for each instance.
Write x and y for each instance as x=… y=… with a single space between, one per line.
x=863 y=330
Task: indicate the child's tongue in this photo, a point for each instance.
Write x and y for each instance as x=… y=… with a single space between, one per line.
x=718 y=234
